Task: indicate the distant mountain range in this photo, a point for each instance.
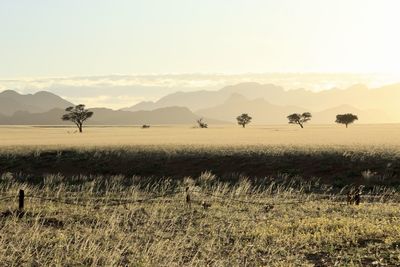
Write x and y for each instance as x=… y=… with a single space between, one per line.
x=378 y=105
x=105 y=116
x=264 y=112
x=261 y=110
x=267 y=104
x=198 y=100
x=11 y=102
x=44 y=108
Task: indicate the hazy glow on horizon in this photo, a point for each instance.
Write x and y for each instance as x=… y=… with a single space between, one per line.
x=100 y=37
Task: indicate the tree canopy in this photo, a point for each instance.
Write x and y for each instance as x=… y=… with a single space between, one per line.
x=243 y=119
x=346 y=119
x=300 y=119
x=77 y=115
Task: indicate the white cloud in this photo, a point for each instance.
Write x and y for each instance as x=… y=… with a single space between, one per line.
x=109 y=101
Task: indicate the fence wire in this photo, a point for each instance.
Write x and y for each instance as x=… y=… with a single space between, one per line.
x=99 y=202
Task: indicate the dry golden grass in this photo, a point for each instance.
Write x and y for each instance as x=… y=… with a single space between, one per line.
x=299 y=230
x=385 y=134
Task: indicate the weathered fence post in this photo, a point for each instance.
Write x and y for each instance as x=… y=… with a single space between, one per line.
x=187 y=197
x=21 y=199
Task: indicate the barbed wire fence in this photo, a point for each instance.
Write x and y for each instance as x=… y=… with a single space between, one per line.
x=198 y=194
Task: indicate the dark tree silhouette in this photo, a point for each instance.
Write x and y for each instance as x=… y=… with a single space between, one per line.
x=346 y=118
x=299 y=119
x=243 y=119
x=77 y=115
x=201 y=123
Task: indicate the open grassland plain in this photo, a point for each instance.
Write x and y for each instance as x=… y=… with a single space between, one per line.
x=231 y=135
x=260 y=196
x=361 y=154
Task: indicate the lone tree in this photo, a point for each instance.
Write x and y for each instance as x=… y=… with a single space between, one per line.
x=346 y=118
x=243 y=119
x=299 y=119
x=201 y=123
x=77 y=115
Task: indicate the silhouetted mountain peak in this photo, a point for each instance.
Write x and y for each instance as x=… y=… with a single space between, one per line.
x=45 y=93
x=9 y=93
x=11 y=102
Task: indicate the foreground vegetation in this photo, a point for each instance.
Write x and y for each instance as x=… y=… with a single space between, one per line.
x=122 y=221
x=333 y=166
x=116 y=197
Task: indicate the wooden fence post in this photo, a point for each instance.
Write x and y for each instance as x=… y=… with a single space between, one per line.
x=21 y=197
x=187 y=197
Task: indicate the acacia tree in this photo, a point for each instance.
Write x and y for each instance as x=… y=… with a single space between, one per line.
x=243 y=119
x=346 y=119
x=77 y=115
x=300 y=119
x=201 y=123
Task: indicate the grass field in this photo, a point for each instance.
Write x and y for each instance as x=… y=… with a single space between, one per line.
x=334 y=154
x=385 y=134
x=114 y=196
x=103 y=223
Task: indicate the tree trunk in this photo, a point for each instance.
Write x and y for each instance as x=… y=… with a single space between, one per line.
x=346 y=125
x=80 y=127
x=244 y=125
x=301 y=125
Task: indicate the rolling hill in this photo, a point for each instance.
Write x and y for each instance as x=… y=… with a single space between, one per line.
x=104 y=116
x=380 y=103
x=267 y=104
x=11 y=101
x=264 y=112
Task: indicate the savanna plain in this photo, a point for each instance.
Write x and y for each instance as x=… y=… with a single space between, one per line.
x=271 y=195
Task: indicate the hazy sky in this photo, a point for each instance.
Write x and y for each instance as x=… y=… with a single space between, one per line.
x=101 y=37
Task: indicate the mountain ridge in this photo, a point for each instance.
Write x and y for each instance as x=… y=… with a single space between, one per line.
x=263 y=112
x=105 y=116
x=266 y=103
x=12 y=101
x=358 y=95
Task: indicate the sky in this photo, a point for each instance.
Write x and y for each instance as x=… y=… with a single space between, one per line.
x=117 y=53
x=48 y=38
